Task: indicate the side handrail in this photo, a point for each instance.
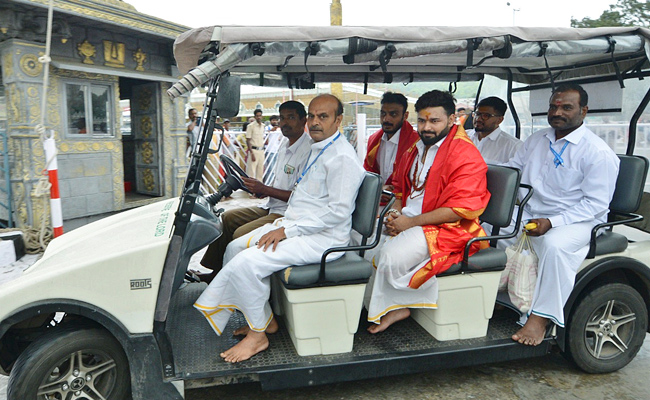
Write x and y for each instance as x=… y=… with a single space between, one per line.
x=465 y=263
x=380 y=220
x=594 y=231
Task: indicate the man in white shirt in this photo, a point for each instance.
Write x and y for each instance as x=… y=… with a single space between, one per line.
x=318 y=217
x=294 y=150
x=255 y=143
x=573 y=173
x=272 y=144
x=495 y=145
x=193 y=129
x=229 y=139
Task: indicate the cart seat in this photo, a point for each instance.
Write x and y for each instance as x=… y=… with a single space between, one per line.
x=632 y=174
x=467 y=290
x=610 y=242
x=321 y=302
x=351 y=268
x=490 y=259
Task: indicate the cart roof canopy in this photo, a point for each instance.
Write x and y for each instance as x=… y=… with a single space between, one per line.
x=299 y=57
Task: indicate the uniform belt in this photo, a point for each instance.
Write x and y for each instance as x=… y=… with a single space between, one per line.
x=256 y=148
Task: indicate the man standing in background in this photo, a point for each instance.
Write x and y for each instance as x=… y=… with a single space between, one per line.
x=255 y=143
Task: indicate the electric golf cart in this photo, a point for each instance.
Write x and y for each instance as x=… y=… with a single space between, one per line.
x=107 y=314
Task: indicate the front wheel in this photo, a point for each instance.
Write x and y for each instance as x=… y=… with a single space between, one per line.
x=607 y=328
x=71 y=364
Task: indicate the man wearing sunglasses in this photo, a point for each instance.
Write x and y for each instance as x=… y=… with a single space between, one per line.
x=495 y=145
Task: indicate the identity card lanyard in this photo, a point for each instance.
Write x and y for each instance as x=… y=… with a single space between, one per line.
x=312 y=163
x=558 y=156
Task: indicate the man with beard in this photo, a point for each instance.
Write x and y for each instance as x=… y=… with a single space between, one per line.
x=495 y=145
x=441 y=190
x=318 y=217
x=387 y=146
x=292 y=155
x=573 y=173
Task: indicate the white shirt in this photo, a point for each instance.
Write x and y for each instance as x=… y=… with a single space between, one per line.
x=194 y=134
x=324 y=199
x=497 y=147
x=581 y=189
x=288 y=167
x=416 y=198
x=387 y=153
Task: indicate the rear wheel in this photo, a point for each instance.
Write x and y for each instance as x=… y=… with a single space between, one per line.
x=607 y=328
x=71 y=365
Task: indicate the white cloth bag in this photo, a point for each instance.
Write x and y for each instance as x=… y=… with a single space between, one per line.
x=520 y=275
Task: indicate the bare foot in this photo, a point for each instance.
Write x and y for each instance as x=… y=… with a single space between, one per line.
x=389 y=319
x=532 y=333
x=253 y=343
x=243 y=330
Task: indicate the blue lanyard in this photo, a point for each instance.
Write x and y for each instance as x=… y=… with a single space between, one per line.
x=558 y=156
x=315 y=159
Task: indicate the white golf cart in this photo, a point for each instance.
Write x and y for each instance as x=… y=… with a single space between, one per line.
x=105 y=315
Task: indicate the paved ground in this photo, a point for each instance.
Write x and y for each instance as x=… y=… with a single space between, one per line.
x=549 y=377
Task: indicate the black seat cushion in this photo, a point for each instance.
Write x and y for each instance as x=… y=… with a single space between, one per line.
x=489 y=259
x=610 y=242
x=351 y=268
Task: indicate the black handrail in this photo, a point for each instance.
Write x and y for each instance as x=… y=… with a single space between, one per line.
x=465 y=263
x=380 y=220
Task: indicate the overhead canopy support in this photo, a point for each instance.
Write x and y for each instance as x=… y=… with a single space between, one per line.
x=347 y=54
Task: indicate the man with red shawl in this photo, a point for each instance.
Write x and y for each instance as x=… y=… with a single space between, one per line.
x=387 y=146
x=441 y=190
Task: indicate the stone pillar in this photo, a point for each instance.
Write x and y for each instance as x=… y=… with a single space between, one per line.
x=175 y=138
x=23 y=79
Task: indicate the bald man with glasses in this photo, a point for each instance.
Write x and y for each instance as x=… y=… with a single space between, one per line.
x=495 y=145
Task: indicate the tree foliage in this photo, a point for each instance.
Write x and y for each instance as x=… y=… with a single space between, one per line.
x=623 y=13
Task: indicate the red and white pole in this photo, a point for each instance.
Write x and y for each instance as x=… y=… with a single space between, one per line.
x=55 y=198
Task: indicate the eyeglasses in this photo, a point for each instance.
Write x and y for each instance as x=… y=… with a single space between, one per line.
x=479 y=115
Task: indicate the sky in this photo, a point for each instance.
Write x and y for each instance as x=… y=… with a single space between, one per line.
x=197 y=13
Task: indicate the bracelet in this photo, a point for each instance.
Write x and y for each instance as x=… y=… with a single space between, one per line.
x=392 y=210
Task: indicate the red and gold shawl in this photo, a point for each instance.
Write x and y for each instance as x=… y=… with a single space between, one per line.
x=457 y=179
x=407 y=138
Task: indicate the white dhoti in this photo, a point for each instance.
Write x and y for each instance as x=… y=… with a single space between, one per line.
x=560 y=251
x=396 y=259
x=244 y=282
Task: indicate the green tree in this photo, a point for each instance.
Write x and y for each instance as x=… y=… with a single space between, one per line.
x=623 y=13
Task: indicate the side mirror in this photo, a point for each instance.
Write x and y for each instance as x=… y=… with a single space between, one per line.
x=227 y=101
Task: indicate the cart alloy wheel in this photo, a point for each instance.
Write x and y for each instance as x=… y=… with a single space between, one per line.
x=71 y=365
x=607 y=328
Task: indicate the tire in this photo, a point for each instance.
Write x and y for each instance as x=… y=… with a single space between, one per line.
x=607 y=328
x=71 y=364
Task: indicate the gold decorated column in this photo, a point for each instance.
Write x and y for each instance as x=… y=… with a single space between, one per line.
x=336 y=19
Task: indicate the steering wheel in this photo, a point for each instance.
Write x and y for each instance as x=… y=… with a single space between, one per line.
x=233 y=169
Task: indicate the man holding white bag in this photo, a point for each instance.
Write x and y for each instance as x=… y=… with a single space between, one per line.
x=573 y=173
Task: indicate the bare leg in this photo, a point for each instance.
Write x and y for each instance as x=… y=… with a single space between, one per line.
x=389 y=319
x=243 y=330
x=253 y=343
x=532 y=333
